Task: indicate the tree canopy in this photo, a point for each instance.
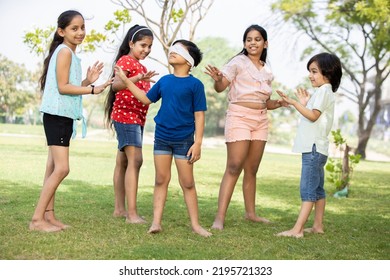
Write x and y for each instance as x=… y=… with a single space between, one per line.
x=358 y=32
x=17 y=90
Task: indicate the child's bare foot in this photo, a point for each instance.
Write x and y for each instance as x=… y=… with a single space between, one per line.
x=43 y=226
x=314 y=230
x=257 y=219
x=135 y=220
x=58 y=223
x=217 y=225
x=202 y=232
x=119 y=214
x=290 y=233
x=154 y=228
x=51 y=218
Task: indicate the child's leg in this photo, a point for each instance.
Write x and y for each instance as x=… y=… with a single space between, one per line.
x=187 y=183
x=58 y=162
x=49 y=212
x=162 y=164
x=310 y=180
x=134 y=163
x=297 y=230
x=236 y=154
x=119 y=184
x=50 y=215
x=318 y=226
x=251 y=166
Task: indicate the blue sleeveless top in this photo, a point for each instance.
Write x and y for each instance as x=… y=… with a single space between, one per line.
x=65 y=105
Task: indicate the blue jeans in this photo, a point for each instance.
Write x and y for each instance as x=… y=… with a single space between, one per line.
x=128 y=135
x=312 y=176
x=178 y=148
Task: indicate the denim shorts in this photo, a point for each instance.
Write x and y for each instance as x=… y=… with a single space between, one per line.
x=128 y=135
x=312 y=176
x=58 y=130
x=178 y=149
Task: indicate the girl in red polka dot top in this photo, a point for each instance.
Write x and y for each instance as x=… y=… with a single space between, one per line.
x=127 y=115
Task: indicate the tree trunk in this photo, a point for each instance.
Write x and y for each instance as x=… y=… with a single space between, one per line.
x=362 y=144
x=364 y=133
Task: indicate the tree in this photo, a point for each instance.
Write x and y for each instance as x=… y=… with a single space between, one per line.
x=16 y=90
x=358 y=31
x=171 y=19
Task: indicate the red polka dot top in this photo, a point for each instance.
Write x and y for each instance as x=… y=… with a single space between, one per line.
x=128 y=109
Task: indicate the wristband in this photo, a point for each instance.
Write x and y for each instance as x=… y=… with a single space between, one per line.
x=93 y=89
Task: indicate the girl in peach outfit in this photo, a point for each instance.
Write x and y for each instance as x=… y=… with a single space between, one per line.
x=246 y=129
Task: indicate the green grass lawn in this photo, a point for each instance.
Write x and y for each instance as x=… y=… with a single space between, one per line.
x=357 y=228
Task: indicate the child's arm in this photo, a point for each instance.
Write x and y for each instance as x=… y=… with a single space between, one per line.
x=64 y=60
x=139 y=94
x=311 y=115
x=274 y=104
x=220 y=82
x=195 y=150
x=118 y=84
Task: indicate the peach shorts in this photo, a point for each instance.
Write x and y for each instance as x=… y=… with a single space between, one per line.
x=244 y=123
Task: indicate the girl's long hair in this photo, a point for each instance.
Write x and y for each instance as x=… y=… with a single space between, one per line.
x=63 y=21
x=124 y=49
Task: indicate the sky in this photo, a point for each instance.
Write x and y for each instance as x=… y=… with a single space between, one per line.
x=227 y=19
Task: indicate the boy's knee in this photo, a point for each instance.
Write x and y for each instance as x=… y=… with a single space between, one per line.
x=187 y=185
x=137 y=162
x=161 y=180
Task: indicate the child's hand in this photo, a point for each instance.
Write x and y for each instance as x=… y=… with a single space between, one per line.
x=214 y=73
x=303 y=96
x=119 y=72
x=94 y=72
x=285 y=98
x=147 y=76
x=283 y=103
x=194 y=153
x=100 y=88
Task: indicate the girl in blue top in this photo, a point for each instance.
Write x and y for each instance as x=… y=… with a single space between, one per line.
x=62 y=106
x=179 y=128
x=317 y=112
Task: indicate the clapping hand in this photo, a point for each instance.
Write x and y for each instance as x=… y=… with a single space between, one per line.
x=94 y=72
x=119 y=72
x=303 y=96
x=214 y=73
x=285 y=98
x=147 y=76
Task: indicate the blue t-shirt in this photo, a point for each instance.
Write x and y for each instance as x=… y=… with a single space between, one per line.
x=180 y=97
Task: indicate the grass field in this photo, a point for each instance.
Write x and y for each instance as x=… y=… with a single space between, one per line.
x=357 y=227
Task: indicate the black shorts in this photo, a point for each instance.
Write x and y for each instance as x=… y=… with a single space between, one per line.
x=58 y=130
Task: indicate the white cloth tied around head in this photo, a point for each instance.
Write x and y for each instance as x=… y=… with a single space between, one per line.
x=182 y=51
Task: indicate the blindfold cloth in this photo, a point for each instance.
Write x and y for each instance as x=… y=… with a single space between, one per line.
x=182 y=51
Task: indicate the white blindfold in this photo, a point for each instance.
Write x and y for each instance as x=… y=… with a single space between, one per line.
x=182 y=51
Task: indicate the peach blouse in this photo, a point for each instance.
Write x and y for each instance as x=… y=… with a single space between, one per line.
x=247 y=83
